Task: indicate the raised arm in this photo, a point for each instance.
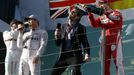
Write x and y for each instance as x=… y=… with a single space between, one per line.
x=20 y=40
x=93 y=22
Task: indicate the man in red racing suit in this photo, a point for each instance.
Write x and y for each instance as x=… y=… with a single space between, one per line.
x=111 y=21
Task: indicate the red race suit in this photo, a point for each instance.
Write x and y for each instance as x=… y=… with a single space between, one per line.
x=111 y=21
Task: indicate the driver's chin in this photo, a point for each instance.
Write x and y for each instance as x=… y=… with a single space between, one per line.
x=13 y=29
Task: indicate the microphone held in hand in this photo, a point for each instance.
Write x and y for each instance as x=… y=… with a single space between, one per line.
x=58 y=31
x=58 y=26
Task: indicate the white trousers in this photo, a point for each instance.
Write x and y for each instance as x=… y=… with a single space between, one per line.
x=12 y=61
x=27 y=66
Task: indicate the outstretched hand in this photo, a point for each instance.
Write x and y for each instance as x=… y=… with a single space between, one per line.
x=86 y=58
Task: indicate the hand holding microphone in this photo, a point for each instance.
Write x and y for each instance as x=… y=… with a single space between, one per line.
x=57 y=32
x=20 y=28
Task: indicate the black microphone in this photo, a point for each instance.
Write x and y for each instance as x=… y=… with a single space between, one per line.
x=58 y=31
x=58 y=26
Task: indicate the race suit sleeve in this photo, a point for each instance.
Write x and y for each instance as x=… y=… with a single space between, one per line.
x=109 y=20
x=4 y=35
x=20 y=40
x=84 y=41
x=43 y=43
x=94 y=22
x=10 y=35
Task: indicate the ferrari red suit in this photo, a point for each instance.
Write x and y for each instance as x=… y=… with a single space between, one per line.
x=111 y=21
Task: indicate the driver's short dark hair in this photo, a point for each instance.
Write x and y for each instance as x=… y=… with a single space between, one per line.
x=15 y=21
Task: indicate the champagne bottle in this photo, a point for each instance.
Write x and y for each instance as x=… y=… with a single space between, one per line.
x=92 y=8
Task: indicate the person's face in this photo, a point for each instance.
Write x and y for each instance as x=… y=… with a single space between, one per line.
x=73 y=18
x=13 y=27
x=73 y=14
x=33 y=23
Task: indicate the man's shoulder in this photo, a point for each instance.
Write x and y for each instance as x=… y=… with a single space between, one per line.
x=115 y=15
x=26 y=33
x=42 y=30
x=6 y=32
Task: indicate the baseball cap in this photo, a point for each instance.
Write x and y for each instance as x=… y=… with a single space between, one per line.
x=32 y=16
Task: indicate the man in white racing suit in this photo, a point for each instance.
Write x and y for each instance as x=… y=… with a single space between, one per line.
x=33 y=44
x=13 y=53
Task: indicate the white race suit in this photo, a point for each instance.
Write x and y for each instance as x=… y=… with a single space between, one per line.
x=13 y=53
x=33 y=44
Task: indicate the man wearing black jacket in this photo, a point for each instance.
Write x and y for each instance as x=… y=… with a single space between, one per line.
x=71 y=40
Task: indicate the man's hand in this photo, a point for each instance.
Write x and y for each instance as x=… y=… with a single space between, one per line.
x=35 y=60
x=86 y=58
x=20 y=28
x=57 y=33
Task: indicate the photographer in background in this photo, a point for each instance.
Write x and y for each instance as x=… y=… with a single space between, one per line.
x=111 y=23
x=71 y=41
